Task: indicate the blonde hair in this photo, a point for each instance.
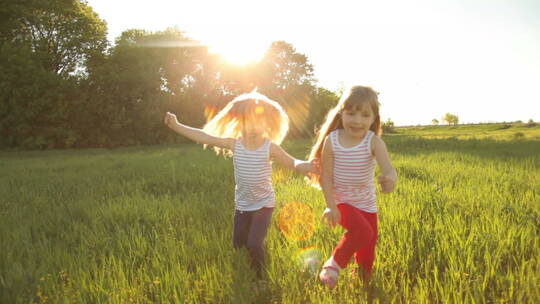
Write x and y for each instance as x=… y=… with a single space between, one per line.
x=249 y=108
x=356 y=98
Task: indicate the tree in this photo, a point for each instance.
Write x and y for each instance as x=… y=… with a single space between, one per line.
x=129 y=87
x=322 y=101
x=61 y=87
x=388 y=126
x=282 y=67
x=34 y=103
x=41 y=45
x=434 y=122
x=451 y=118
x=62 y=33
x=287 y=77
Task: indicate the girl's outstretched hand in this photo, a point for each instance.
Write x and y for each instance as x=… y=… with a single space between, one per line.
x=332 y=216
x=170 y=119
x=388 y=183
x=307 y=167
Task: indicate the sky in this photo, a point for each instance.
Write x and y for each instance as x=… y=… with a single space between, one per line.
x=478 y=59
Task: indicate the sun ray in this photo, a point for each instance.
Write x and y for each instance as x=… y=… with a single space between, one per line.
x=236 y=54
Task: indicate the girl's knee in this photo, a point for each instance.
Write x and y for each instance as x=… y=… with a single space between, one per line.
x=363 y=235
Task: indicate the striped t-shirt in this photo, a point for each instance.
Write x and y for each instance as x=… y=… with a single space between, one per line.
x=253 y=177
x=354 y=171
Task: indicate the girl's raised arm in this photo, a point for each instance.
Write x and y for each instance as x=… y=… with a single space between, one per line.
x=197 y=135
x=388 y=177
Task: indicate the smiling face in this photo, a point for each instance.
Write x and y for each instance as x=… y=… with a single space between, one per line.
x=357 y=120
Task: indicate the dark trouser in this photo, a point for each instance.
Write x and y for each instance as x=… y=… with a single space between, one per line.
x=250 y=228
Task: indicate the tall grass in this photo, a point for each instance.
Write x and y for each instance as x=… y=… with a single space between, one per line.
x=153 y=225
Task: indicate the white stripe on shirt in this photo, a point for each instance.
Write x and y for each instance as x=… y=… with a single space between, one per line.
x=354 y=171
x=253 y=176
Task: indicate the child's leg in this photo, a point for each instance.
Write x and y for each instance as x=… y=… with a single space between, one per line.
x=242 y=222
x=257 y=233
x=359 y=234
x=366 y=255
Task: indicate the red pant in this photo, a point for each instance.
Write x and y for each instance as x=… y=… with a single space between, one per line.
x=360 y=238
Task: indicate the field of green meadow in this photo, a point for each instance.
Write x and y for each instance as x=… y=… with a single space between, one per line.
x=154 y=225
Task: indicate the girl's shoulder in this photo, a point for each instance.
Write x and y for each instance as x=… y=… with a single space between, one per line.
x=333 y=133
x=268 y=143
x=374 y=136
x=375 y=142
x=272 y=146
x=332 y=136
x=328 y=142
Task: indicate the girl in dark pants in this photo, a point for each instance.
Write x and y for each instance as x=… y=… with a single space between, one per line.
x=250 y=228
x=250 y=128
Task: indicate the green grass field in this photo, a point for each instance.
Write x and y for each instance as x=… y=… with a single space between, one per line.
x=154 y=225
x=501 y=132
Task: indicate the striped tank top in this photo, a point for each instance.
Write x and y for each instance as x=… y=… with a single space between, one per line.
x=253 y=177
x=354 y=172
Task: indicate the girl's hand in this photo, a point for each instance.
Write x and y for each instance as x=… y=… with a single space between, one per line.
x=302 y=167
x=306 y=168
x=332 y=216
x=388 y=183
x=170 y=119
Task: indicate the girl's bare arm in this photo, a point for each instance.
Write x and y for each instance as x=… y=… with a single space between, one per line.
x=332 y=213
x=286 y=160
x=197 y=135
x=388 y=177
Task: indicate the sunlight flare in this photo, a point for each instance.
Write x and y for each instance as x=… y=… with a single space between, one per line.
x=309 y=259
x=297 y=221
x=237 y=54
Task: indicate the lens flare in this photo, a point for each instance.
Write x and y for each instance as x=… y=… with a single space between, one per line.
x=297 y=221
x=164 y=43
x=259 y=110
x=310 y=259
x=210 y=111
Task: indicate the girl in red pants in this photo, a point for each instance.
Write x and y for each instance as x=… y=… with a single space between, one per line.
x=348 y=146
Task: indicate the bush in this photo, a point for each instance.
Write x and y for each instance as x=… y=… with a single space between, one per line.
x=519 y=135
x=388 y=126
x=530 y=124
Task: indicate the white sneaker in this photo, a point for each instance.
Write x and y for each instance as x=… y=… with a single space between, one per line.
x=329 y=276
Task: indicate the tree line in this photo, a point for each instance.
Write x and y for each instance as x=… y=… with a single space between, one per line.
x=63 y=85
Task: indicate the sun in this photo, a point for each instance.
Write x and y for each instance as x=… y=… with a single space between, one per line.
x=237 y=44
x=237 y=53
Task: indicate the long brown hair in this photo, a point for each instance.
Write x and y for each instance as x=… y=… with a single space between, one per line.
x=356 y=97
